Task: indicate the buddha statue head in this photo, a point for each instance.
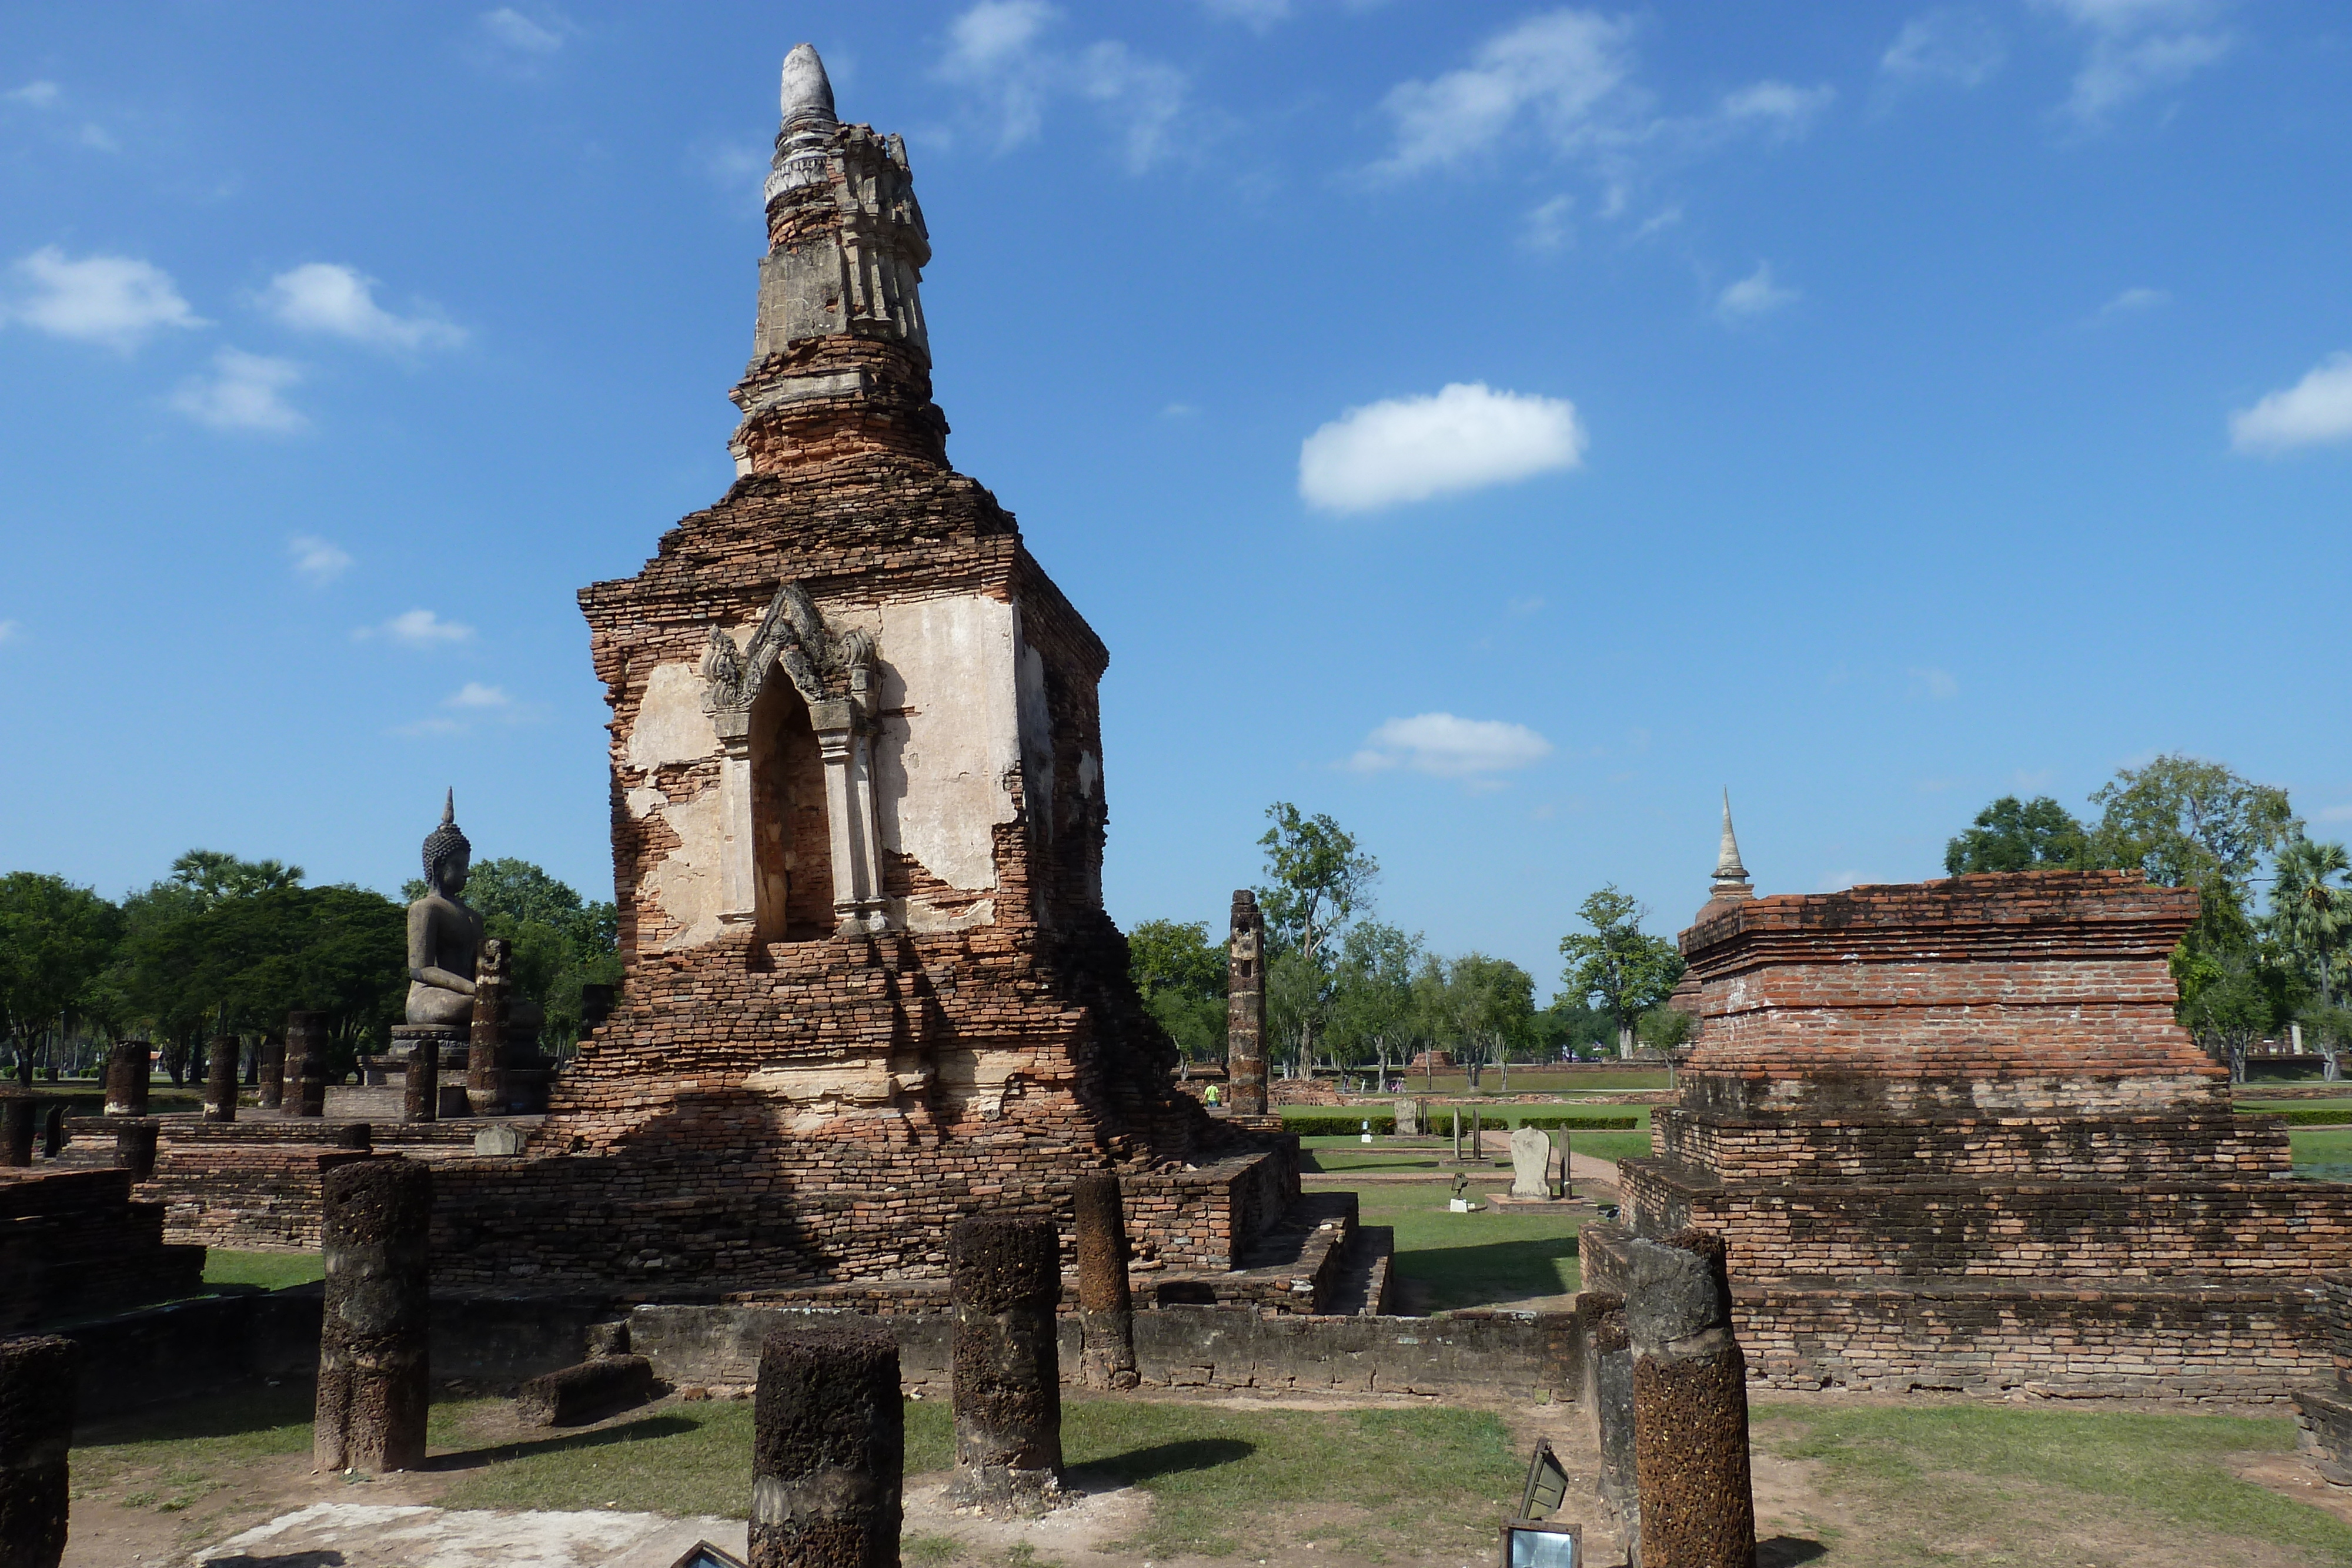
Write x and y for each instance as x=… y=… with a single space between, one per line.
x=448 y=854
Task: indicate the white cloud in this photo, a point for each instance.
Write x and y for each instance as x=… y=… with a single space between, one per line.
x=1935 y=684
x=519 y=33
x=33 y=94
x=1753 y=296
x=242 y=394
x=425 y=726
x=2314 y=412
x=2131 y=301
x=1569 y=71
x=316 y=562
x=10 y=631
x=1958 y=47
x=1785 y=110
x=1450 y=747
x=1408 y=449
x=475 y=695
x=1547 y=227
x=109 y=300
x=417 y=629
x=997 y=53
x=320 y=297
x=2335 y=813
x=2138 y=47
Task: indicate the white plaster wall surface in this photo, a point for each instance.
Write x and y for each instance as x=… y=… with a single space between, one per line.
x=672 y=728
x=948 y=742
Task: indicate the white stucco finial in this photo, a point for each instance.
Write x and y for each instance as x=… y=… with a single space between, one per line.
x=807 y=94
x=1730 y=876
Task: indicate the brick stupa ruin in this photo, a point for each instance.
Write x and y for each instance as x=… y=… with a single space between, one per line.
x=859 y=824
x=1955 y=1139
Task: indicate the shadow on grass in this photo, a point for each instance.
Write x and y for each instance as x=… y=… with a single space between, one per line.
x=631 y=1432
x=1139 y=1465
x=239 y=1411
x=1490 y=1274
x=1788 y=1551
x=293 y=1560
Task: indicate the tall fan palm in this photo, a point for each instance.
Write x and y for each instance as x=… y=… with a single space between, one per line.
x=2311 y=921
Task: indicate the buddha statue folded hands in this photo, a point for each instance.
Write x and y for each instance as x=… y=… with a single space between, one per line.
x=445 y=936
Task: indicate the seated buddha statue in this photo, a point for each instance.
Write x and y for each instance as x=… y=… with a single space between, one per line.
x=445 y=937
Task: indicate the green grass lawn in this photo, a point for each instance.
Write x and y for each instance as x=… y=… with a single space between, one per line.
x=1984 y=1483
x=1223 y=1481
x=271 y=1270
x=2321 y=1153
x=1482 y=1259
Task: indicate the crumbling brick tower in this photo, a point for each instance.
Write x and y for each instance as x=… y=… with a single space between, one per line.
x=858 y=837
x=1955 y=1139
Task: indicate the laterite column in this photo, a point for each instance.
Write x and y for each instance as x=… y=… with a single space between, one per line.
x=1612 y=1401
x=373 y=1378
x=828 y=1448
x=1004 y=1279
x=306 y=1065
x=273 y=1073
x=1690 y=1405
x=126 y=1079
x=1245 y=1008
x=134 y=1145
x=220 y=1081
x=1106 y=1309
x=17 y=1113
x=485 y=1093
x=420 y=1094
x=38 y=1377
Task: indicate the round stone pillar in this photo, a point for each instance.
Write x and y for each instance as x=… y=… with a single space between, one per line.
x=38 y=1374
x=373 y=1377
x=828 y=1448
x=1004 y=1280
x=306 y=1065
x=134 y=1145
x=273 y=1073
x=19 y=1111
x=1690 y=1405
x=1106 y=1309
x=126 y=1079
x=220 y=1081
x=1612 y=1399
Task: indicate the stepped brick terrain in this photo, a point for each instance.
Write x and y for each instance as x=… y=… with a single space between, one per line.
x=1953 y=1137
x=858 y=819
x=74 y=1243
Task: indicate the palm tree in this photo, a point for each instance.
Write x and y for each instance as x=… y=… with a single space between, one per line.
x=2311 y=921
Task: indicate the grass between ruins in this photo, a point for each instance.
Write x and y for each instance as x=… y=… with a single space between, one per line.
x=1956 y=1482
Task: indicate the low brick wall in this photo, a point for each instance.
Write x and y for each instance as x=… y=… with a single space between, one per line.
x=1515 y=1354
x=73 y=1242
x=261 y=1196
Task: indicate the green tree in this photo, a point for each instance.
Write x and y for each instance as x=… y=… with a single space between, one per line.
x=559 y=942
x=56 y=939
x=2310 y=928
x=2183 y=821
x=2020 y=835
x=1493 y=1005
x=1617 y=964
x=1371 y=995
x=1318 y=880
x=2231 y=994
x=1182 y=977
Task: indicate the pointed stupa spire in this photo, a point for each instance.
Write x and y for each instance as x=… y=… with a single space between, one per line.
x=449 y=807
x=1730 y=876
x=805 y=98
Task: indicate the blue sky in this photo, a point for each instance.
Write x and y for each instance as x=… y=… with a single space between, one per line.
x=1502 y=427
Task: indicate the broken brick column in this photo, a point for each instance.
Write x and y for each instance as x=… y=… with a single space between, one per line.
x=373 y=1377
x=17 y=1113
x=273 y=1073
x=1613 y=1403
x=485 y=1093
x=828 y=1439
x=1004 y=1280
x=126 y=1079
x=1105 y=1308
x=1245 y=1008
x=38 y=1379
x=1690 y=1405
x=134 y=1145
x=220 y=1081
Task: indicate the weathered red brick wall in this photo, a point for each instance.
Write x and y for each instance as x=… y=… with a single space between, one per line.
x=75 y=1241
